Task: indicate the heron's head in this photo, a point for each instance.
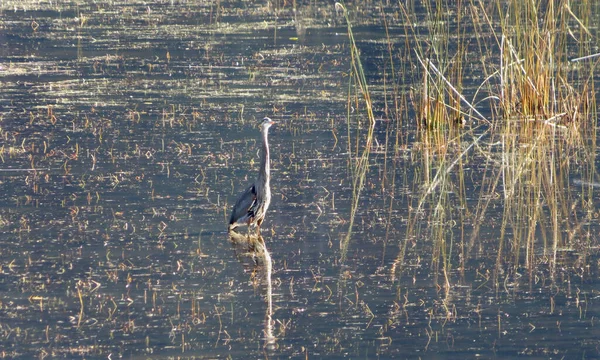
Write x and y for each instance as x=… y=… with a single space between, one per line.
x=266 y=124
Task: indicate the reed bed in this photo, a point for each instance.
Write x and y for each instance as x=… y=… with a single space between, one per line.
x=528 y=123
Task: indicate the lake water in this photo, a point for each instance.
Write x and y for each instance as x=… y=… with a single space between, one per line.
x=128 y=129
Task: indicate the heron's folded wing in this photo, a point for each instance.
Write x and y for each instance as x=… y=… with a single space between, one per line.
x=244 y=204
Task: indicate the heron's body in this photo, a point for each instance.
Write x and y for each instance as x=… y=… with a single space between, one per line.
x=252 y=205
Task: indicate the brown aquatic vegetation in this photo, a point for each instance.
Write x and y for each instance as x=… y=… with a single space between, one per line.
x=539 y=125
x=359 y=152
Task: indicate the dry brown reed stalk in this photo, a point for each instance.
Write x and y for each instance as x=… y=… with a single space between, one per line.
x=359 y=164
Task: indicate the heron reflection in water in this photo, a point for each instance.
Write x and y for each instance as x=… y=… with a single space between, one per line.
x=252 y=205
x=252 y=252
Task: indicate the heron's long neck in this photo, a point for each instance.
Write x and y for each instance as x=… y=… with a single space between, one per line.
x=265 y=168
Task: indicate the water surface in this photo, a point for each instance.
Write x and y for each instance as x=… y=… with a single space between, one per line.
x=128 y=130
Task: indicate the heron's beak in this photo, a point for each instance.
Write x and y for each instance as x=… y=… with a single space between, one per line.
x=271 y=122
